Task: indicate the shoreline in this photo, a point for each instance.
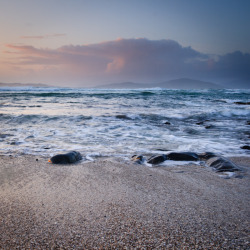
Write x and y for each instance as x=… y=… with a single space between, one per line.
x=114 y=204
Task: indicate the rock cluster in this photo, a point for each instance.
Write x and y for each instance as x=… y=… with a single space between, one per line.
x=216 y=162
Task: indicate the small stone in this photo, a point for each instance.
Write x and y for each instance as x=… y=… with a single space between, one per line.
x=199 y=123
x=137 y=158
x=167 y=123
x=209 y=126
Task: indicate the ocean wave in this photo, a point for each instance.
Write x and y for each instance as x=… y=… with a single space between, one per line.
x=122 y=122
x=20 y=119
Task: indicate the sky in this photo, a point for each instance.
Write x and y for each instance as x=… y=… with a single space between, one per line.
x=91 y=42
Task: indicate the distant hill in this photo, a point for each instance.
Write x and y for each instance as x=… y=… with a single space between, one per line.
x=182 y=83
x=38 y=85
x=186 y=83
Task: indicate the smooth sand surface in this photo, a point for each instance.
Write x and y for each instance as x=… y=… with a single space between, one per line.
x=113 y=204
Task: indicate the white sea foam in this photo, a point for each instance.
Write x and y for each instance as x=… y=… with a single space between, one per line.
x=178 y=163
x=227 y=175
x=121 y=122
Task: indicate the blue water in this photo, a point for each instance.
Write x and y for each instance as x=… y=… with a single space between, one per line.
x=121 y=123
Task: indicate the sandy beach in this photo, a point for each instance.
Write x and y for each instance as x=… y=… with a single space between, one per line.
x=110 y=204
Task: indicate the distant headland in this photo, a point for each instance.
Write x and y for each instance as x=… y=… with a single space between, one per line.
x=38 y=85
x=181 y=83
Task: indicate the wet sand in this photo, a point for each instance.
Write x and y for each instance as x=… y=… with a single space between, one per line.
x=114 y=204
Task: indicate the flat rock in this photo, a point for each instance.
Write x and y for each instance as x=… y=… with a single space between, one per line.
x=222 y=164
x=183 y=156
x=123 y=117
x=242 y=103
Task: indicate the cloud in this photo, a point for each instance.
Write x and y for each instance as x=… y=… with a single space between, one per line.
x=234 y=65
x=129 y=60
x=43 y=36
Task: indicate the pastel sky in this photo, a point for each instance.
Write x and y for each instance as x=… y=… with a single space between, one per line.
x=90 y=42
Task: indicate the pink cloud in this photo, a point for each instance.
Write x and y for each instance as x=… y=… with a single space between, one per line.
x=43 y=36
x=126 y=59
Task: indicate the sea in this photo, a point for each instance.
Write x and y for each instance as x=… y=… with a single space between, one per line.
x=123 y=122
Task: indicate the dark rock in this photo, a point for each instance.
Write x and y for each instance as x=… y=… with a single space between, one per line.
x=242 y=103
x=209 y=126
x=248 y=122
x=183 y=156
x=137 y=158
x=157 y=159
x=199 y=123
x=70 y=157
x=123 y=117
x=167 y=123
x=206 y=156
x=15 y=143
x=245 y=147
x=221 y=164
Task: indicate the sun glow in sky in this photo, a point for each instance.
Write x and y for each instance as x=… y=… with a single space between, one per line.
x=84 y=42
